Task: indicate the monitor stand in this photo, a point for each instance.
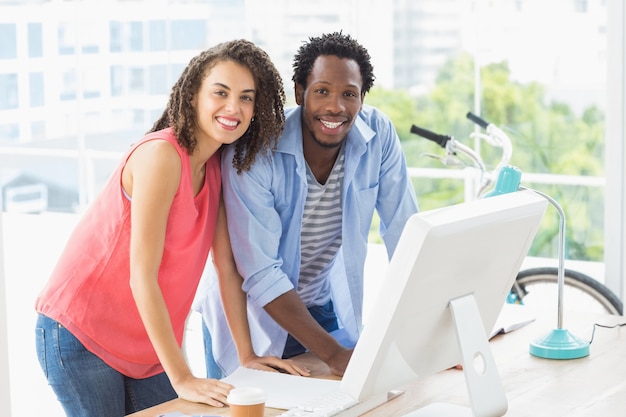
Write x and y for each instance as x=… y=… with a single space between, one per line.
x=485 y=391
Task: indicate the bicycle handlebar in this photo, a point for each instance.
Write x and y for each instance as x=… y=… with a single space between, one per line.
x=441 y=140
x=494 y=136
x=478 y=120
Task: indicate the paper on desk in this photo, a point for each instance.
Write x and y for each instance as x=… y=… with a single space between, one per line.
x=512 y=317
x=282 y=390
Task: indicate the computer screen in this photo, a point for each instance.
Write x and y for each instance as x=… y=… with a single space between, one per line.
x=465 y=254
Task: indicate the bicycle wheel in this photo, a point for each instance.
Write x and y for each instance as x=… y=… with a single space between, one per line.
x=539 y=286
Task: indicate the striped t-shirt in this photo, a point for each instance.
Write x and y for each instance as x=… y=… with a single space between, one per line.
x=321 y=234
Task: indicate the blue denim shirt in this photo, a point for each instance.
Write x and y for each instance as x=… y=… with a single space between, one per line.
x=265 y=205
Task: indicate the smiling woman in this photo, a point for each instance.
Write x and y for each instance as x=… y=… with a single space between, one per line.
x=156 y=220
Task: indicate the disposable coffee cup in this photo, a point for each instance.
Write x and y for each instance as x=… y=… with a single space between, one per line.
x=246 y=402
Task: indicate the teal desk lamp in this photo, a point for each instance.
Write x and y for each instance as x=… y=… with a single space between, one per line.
x=558 y=343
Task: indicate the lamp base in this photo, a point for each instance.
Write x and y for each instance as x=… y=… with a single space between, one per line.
x=559 y=344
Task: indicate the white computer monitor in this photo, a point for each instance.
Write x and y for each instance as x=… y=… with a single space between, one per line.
x=445 y=286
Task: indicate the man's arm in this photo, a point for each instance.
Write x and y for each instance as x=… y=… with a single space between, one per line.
x=256 y=229
x=235 y=308
x=292 y=315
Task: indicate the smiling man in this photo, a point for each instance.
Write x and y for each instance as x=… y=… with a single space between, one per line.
x=299 y=219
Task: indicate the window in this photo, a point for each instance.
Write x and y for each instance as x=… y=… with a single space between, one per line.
x=68 y=85
x=67 y=38
x=137 y=81
x=115 y=36
x=157 y=35
x=38 y=130
x=155 y=115
x=9 y=96
x=36 y=89
x=189 y=34
x=139 y=117
x=8 y=41
x=136 y=36
x=117 y=80
x=92 y=82
x=90 y=37
x=177 y=70
x=35 y=40
x=9 y=133
x=159 y=83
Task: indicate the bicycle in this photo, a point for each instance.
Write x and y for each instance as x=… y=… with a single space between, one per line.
x=532 y=285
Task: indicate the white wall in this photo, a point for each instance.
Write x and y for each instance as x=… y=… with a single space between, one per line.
x=615 y=202
x=5 y=394
x=35 y=243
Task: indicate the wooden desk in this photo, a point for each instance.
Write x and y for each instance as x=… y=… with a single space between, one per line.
x=590 y=386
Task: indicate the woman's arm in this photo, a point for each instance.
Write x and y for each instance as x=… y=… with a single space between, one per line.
x=235 y=304
x=152 y=177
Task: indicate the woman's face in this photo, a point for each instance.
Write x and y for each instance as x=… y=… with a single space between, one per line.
x=225 y=103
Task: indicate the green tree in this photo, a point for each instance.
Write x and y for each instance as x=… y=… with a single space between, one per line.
x=548 y=137
x=398 y=105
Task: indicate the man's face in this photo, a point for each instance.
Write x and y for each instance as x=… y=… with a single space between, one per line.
x=331 y=100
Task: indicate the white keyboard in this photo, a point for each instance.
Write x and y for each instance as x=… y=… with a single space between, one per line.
x=326 y=406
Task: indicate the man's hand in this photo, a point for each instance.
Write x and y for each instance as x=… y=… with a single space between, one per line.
x=338 y=362
x=293 y=316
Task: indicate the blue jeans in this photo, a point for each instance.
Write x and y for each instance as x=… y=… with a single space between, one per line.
x=324 y=315
x=213 y=370
x=85 y=385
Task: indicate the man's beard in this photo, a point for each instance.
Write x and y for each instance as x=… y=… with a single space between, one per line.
x=316 y=140
x=324 y=144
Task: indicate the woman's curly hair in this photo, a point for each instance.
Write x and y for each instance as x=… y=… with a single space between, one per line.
x=336 y=44
x=269 y=117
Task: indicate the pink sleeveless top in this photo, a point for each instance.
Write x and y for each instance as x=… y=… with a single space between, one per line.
x=89 y=291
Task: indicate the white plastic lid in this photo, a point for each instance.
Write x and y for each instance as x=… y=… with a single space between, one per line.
x=246 y=396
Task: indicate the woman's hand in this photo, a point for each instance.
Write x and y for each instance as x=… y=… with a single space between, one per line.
x=274 y=364
x=202 y=390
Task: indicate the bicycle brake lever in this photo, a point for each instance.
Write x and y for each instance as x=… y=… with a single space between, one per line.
x=432 y=155
x=447 y=161
x=451 y=161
